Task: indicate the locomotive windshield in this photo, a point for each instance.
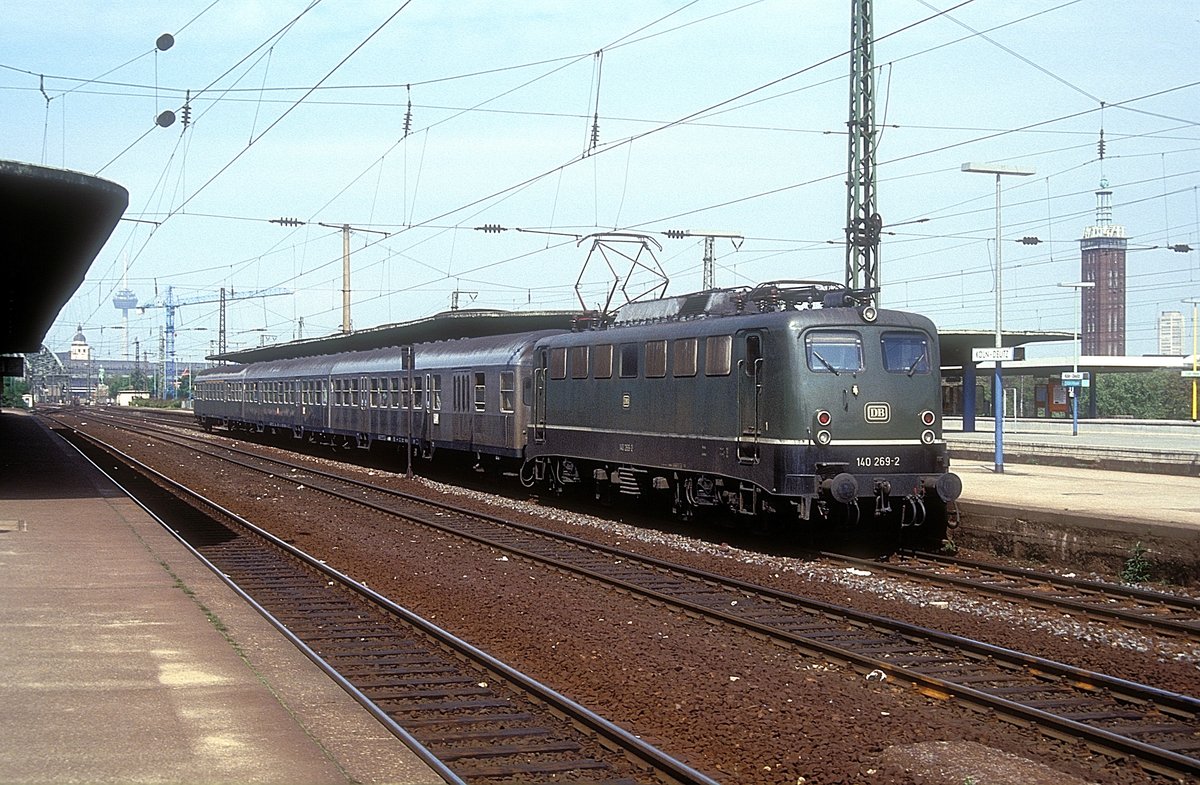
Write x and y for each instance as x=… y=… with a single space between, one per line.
x=905 y=352
x=834 y=351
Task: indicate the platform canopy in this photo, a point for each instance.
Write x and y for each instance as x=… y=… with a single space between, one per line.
x=956 y=345
x=53 y=223
x=444 y=326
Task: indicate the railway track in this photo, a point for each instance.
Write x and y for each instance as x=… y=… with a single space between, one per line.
x=1149 y=612
x=1160 y=729
x=1152 y=612
x=472 y=718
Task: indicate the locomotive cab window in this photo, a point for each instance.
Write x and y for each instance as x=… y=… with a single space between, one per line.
x=905 y=352
x=834 y=351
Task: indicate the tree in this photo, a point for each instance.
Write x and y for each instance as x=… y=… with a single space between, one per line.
x=11 y=392
x=1156 y=395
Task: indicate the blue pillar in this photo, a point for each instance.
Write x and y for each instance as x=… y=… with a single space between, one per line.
x=998 y=414
x=968 y=397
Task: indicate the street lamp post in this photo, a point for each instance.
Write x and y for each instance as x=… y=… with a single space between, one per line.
x=1193 y=301
x=1075 y=390
x=998 y=394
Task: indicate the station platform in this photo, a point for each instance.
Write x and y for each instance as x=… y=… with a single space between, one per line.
x=1093 y=498
x=126 y=660
x=1147 y=446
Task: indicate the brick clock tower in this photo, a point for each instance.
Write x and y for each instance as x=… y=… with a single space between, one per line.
x=1103 y=261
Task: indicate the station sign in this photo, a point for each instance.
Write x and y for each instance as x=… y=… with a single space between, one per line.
x=1076 y=379
x=1190 y=374
x=992 y=354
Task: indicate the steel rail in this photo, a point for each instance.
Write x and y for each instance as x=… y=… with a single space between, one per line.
x=1169 y=626
x=676 y=771
x=1153 y=757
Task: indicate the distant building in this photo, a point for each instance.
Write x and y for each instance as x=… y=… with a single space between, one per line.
x=1103 y=261
x=80 y=351
x=77 y=376
x=1170 y=333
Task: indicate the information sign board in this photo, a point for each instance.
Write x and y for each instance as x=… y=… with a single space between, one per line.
x=992 y=354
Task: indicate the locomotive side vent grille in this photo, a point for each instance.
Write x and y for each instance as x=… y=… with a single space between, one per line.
x=627 y=481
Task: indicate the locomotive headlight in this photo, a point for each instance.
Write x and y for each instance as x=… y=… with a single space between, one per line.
x=869 y=313
x=927 y=437
x=824 y=438
x=928 y=417
x=824 y=418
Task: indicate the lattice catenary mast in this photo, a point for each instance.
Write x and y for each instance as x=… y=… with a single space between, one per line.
x=863 y=223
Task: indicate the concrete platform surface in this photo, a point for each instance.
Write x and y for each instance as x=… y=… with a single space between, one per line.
x=1119 y=499
x=1145 y=446
x=126 y=660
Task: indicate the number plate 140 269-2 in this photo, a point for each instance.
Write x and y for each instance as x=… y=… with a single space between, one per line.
x=877 y=461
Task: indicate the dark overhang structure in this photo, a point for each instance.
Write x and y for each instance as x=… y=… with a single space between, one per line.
x=53 y=223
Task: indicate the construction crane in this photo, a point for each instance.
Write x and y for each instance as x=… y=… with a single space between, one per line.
x=170 y=303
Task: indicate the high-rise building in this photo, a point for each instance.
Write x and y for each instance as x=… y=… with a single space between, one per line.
x=1103 y=261
x=1170 y=333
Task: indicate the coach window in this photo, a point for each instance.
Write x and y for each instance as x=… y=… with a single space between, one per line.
x=405 y=398
x=418 y=392
x=629 y=361
x=508 y=388
x=435 y=392
x=374 y=393
x=603 y=361
x=577 y=362
x=656 y=359
x=718 y=355
x=558 y=363
x=394 y=398
x=480 y=392
x=905 y=352
x=833 y=351
x=683 y=357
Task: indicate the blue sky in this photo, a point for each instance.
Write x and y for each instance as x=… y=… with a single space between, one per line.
x=722 y=115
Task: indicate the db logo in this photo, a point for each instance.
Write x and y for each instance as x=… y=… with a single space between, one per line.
x=878 y=412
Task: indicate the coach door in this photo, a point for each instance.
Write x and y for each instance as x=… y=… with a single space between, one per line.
x=539 y=399
x=461 y=427
x=749 y=387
